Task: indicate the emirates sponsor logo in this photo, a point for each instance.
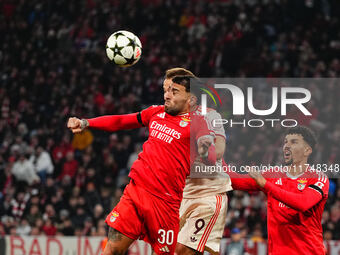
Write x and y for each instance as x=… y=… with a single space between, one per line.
x=165 y=130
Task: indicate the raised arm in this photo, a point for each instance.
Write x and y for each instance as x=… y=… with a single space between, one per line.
x=303 y=201
x=240 y=181
x=299 y=201
x=108 y=123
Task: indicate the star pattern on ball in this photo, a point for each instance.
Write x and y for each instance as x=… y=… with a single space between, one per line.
x=131 y=42
x=118 y=34
x=117 y=51
x=130 y=61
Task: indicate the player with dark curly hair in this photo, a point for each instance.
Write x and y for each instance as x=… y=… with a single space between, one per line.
x=296 y=197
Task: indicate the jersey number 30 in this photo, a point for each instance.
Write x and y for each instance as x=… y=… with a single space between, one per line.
x=166 y=236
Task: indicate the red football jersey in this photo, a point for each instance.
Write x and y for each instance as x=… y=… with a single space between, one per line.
x=295 y=207
x=291 y=231
x=163 y=165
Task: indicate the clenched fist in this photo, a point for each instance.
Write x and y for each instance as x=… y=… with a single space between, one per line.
x=76 y=125
x=203 y=145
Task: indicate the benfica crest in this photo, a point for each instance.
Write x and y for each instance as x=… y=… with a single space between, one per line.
x=184 y=122
x=301 y=184
x=114 y=216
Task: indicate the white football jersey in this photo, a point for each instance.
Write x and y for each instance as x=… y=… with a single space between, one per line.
x=218 y=181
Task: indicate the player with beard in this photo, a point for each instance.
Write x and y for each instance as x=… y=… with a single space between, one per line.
x=296 y=197
x=149 y=207
x=204 y=206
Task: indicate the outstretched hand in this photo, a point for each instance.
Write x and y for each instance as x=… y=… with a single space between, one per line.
x=257 y=176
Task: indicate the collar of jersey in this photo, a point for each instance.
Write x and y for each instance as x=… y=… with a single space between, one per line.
x=294 y=177
x=184 y=114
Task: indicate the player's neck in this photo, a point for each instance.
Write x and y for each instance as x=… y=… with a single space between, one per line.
x=194 y=108
x=297 y=168
x=185 y=111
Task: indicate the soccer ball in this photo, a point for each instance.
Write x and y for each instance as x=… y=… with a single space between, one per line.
x=123 y=48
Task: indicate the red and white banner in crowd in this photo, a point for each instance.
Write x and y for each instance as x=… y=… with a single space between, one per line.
x=43 y=245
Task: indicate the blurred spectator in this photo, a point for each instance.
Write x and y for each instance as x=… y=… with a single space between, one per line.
x=23 y=228
x=106 y=198
x=13 y=231
x=257 y=235
x=101 y=231
x=23 y=170
x=92 y=197
x=42 y=163
x=235 y=247
x=48 y=228
x=134 y=155
x=50 y=188
x=18 y=204
x=80 y=177
x=88 y=228
x=39 y=224
x=69 y=167
x=2 y=230
x=82 y=140
x=62 y=148
x=67 y=228
x=35 y=231
x=110 y=167
x=19 y=146
x=327 y=235
x=79 y=218
x=98 y=213
x=33 y=215
x=49 y=213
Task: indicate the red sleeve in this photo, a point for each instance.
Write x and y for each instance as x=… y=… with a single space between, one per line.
x=241 y=181
x=300 y=202
x=115 y=122
x=211 y=159
x=212 y=155
x=199 y=127
x=146 y=114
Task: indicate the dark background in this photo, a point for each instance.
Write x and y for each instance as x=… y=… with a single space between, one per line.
x=53 y=66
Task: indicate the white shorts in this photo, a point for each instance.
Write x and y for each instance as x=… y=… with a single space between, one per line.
x=202 y=222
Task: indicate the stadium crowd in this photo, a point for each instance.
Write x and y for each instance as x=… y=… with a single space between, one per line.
x=53 y=66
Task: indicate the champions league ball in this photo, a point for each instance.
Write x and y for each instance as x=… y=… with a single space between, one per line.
x=123 y=48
